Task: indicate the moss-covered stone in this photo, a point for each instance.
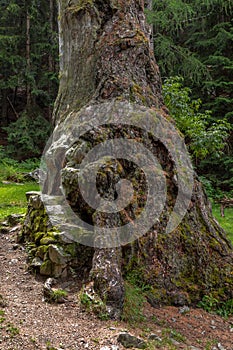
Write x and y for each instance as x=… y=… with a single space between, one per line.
x=38 y=237
x=47 y=240
x=41 y=251
x=46 y=268
x=58 y=255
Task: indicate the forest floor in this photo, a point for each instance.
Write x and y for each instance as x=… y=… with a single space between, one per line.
x=28 y=323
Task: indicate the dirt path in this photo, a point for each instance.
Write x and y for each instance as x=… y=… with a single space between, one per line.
x=28 y=323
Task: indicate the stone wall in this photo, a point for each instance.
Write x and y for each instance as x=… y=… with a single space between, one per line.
x=50 y=252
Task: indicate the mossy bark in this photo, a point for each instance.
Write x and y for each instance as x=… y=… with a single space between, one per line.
x=105 y=55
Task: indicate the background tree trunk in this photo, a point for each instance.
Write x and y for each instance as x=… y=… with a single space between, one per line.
x=105 y=55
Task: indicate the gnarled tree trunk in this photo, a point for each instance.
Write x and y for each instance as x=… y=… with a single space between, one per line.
x=107 y=60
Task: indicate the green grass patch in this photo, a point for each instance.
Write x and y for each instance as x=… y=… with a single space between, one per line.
x=133 y=305
x=227 y=221
x=13 y=198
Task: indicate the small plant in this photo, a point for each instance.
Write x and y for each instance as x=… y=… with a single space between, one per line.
x=2 y=318
x=134 y=277
x=208 y=303
x=12 y=330
x=93 y=303
x=225 y=309
x=211 y=304
x=173 y=334
x=49 y=346
x=210 y=344
x=57 y=295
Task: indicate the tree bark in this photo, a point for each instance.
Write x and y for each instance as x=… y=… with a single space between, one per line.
x=106 y=55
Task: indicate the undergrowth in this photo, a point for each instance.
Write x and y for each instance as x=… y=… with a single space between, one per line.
x=211 y=304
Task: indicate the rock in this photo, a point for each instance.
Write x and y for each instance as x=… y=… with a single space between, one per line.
x=13 y=261
x=184 y=310
x=15 y=229
x=57 y=255
x=130 y=341
x=46 y=268
x=112 y=347
x=64 y=238
x=36 y=262
x=32 y=193
x=32 y=176
x=193 y=348
x=60 y=271
x=35 y=201
x=47 y=289
x=154 y=337
x=175 y=342
x=41 y=251
x=220 y=347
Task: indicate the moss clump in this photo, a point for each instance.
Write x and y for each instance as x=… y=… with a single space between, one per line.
x=49 y=238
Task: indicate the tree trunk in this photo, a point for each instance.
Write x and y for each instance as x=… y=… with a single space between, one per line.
x=28 y=60
x=4 y=111
x=107 y=67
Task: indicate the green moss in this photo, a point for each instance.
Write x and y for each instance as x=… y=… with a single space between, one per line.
x=71 y=249
x=81 y=5
x=41 y=251
x=38 y=236
x=47 y=240
x=46 y=268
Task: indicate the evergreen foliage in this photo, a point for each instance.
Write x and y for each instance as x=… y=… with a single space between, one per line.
x=195 y=39
x=27 y=136
x=204 y=135
x=28 y=57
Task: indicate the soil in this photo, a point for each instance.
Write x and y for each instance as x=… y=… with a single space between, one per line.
x=29 y=323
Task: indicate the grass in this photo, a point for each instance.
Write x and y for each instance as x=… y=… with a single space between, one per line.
x=133 y=305
x=12 y=194
x=227 y=221
x=13 y=198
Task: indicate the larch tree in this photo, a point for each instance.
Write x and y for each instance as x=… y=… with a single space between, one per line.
x=109 y=88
